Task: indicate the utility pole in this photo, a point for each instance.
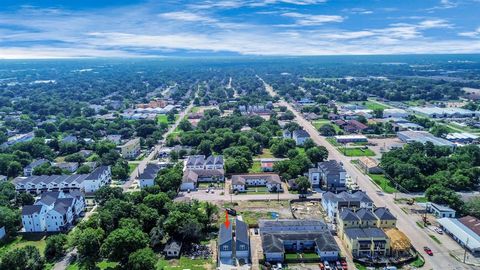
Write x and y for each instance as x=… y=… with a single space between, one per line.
x=465 y=251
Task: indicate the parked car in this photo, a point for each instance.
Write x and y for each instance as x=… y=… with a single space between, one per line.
x=439 y=231
x=428 y=251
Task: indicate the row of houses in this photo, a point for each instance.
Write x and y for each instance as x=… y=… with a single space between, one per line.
x=53 y=212
x=234 y=245
x=88 y=183
x=328 y=175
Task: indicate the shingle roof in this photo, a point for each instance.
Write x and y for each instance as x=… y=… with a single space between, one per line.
x=359 y=233
x=383 y=213
x=36 y=163
x=240 y=179
x=290 y=222
x=31 y=209
x=150 y=171
x=326 y=242
x=225 y=234
x=365 y=214
x=271 y=243
x=300 y=133
x=331 y=167
x=241 y=231
x=348 y=215
x=173 y=245
x=97 y=172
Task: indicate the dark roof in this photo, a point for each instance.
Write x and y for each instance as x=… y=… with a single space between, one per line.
x=240 y=179
x=357 y=125
x=326 y=242
x=358 y=196
x=365 y=214
x=214 y=160
x=331 y=167
x=290 y=222
x=383 y=213
x=472 y=223
x=225 y=234
x=49 y=198
x=192 y=175
x=241 y=231
x=150 y=171
x=195 y=160
x=97 y=172
x=355 y=233
x=173 y=245
x=271 y=243
x=300 y=133
x=36 y=163
x=31 y=209
x=348 y=215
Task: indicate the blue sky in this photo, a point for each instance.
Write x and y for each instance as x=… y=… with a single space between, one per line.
x=121 y=28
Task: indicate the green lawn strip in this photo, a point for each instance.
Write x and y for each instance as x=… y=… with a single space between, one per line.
x=311 y=255
x=184 y=263
x=420 y=224
x=333 y=142
x=256 y=167
x=265 y=154
x=132 y=166
x=373 y=105
x=360 y=267
x=356 y=152
x=101 y=265
x=319 y=123
x=419 y=262
x=19 y=242
x=291 y=256
x=421 y=199
x=383 y=183
x=162 y=118
x=434 y=238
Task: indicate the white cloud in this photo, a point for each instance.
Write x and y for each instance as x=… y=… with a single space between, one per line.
x=472 y=34
x=186 y=17
x=309 y=19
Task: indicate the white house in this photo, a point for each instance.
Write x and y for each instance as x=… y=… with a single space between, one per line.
x=97 y=179
x=200 y=162
x=53 y=212
x=147 y=177
x=332 y=203
x=241 y=182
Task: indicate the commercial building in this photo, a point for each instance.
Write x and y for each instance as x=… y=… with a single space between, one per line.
x=369 y=165
x=53 y=212
x=131 y=149
x=395 y=113
x=423 y=137
x=461 y=233
x=328 y=175
x=85 y=182
x=241 y=182
x=440 y=211
x=462 y=138
x=436 y=112
x=351 y=138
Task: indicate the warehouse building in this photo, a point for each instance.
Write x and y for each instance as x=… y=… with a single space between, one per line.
x=423 y=137
x=436 y=112
x=464 y=235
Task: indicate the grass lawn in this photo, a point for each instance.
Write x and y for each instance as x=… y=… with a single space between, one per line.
x=162 y=119
x=356 y=152
x=256 y=167
x=131 y=167
x=195 y=109
x=421 y=199
x=319 y=123
x=265 y=154
x=101 y=265
x=19 y=242
x=418 y=263
x=311 y=255
x=383 y=182
x=290 y=256
x=256 y=190
x=185 y=263
x=434 y=238
x=360 y=267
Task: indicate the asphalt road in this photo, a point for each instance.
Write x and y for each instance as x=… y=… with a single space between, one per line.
x=418 y=237
x=141 y=166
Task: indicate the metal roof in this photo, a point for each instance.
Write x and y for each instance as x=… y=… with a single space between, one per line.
x=461 y=232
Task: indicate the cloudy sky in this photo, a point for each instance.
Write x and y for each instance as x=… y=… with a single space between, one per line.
x=129 y=28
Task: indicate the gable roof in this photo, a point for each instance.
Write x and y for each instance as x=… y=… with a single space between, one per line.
x=272 y=244
x=240 y=179
x=225 y=234
x=150 y=171
x=31 y=209
x=241 y=231
x=365 y=214
x=348 y=215
x=36 y=163
x=300 y=133
x=383 y=213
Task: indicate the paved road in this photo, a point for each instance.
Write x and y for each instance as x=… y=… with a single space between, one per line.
x=141 y=166
x=418 y=237
x=65 y=262
x=202 y=195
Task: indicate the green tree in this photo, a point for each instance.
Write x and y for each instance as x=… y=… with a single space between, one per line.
x=84 y=169
x=106 y=193
x=303 y=184
x=317 y=154
x=327 y=130
x=24 y=258
x=142 y=259
x=10 y=218
x=120 y=243
x=88 y=243
x=185 y=125
x=56 y=246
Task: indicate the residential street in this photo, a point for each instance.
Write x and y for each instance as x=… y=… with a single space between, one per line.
x=141 y=166
x=419 y=239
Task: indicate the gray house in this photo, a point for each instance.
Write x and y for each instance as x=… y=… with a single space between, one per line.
x=328 y=175
x=242 y=241
x=28 y=170
x=225 y=242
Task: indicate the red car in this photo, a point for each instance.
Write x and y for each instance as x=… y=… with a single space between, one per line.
x=428 y=251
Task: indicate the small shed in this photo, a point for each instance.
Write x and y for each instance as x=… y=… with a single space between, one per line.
x=173 y=249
